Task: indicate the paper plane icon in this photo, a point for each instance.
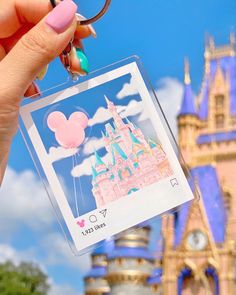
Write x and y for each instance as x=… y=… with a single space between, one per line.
x=103 y=212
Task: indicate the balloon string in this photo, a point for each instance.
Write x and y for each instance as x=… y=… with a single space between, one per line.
x=74 y=184
x=80 y=185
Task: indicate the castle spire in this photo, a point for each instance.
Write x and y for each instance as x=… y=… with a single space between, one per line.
x=108 y=102
x=187 y=79
x=187 y=107
x=98 y=159
x=94 y=173
x=134 y=139
x=103 y=135
x=232 y=39
x=118 y=122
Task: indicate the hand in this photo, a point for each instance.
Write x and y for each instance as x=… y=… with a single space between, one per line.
x=31 y=35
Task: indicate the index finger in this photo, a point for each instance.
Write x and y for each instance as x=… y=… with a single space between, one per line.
x=14 y=13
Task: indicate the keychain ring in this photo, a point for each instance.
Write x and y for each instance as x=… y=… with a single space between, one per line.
x=92 y=19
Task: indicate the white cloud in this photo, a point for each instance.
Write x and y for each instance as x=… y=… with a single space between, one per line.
x=59 y=253
x=62 y=290
x=23 y=202
x=127 y=90
x=58 y=153
x=93 y=144
x=169 y=93
x=134 y=108
x=102 y=115
x=8 y=253
x=84 y=169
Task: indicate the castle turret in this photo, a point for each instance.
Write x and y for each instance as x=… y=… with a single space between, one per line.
x=94 y=173
x=110 y=131
x=95 y=280
x=130 y=263
x=99 y=164
x=113 y=110
x=188 y=119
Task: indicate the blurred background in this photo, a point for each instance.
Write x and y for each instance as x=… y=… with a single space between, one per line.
x=195 y=252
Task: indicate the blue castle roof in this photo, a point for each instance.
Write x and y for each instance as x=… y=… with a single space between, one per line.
x=104 y=248
x=110 y=127
x=216 y=137
x=98 y=160
x=94 y=172
x=127 y=252
x=155 y=279
x=211 y=193
x=97 y=272
x=115 y=147
x=134 y=139
x=228 y=67
x=152 y=144
x=188 y=103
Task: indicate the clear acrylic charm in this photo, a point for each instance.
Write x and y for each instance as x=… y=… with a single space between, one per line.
x=105 y=153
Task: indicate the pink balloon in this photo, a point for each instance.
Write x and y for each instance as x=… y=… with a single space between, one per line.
x=55 y=119
x=79 y=118
x=68 y=133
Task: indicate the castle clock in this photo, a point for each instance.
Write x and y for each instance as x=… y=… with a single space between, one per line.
x=197 y=240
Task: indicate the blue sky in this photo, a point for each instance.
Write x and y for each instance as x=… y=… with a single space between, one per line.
x=162 y=33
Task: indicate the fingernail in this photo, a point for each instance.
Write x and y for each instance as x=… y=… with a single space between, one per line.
x=37 y=89
x=93 y=32
x=84 y=63
x=91 y=28
x=42 y=73
x=61 y=16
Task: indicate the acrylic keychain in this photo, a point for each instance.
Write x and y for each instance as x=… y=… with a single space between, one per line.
x=105 y=152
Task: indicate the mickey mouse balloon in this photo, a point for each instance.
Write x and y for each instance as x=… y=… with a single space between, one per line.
x=69 y=133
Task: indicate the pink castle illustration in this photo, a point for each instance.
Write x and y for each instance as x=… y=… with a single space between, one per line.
x=135 y=162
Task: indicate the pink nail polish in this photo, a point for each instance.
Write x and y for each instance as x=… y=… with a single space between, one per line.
x=61 y=16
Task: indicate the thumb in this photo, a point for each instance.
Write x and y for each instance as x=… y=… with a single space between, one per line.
x=36 y=49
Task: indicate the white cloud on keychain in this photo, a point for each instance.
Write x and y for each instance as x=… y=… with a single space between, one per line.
x=59 y=153
x=84 y=169
x=93 y=144
x=102 y=115
x=128 y=89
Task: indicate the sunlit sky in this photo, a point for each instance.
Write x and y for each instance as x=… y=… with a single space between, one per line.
x=162 y=33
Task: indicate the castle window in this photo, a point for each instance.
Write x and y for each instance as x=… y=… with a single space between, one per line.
x=136 y=165
x=120 y=174
x=140 y=261
x=219 y=121
x=228 y=200
x=120 y=261
x=219 y=99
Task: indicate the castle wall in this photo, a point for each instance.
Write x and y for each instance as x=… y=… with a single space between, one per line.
x=130 y=289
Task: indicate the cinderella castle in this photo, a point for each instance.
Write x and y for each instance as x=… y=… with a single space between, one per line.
x=136 y=162
x=197 y=253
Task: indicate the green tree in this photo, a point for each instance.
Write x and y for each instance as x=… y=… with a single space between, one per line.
x=25 y=279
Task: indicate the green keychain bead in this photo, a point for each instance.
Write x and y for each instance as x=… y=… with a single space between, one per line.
x=84 y=64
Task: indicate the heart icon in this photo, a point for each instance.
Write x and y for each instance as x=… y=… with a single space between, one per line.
x=81 y=223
